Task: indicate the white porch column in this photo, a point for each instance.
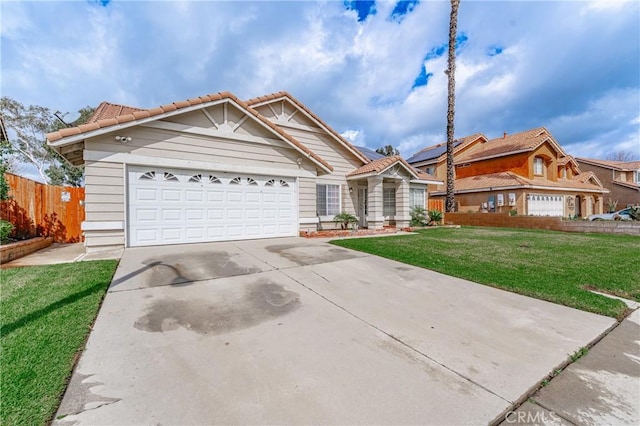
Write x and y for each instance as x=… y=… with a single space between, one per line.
x=402 y=204
x=375 y=218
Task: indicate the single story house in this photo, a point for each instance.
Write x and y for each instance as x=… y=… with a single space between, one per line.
x=216 y=168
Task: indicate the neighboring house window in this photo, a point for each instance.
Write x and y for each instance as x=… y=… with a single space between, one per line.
x=538 y=166
x=431 y=170
x=416 y=198
x=638 y=176
x=328 y=199
x=564 y=173
x=389 y=201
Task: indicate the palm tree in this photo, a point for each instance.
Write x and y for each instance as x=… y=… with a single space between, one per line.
x=451 y=103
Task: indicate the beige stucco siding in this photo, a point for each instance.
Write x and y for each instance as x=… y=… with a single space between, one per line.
x=330 y=150
x=307 y=197
x=104 y=192
x=104 y=202
x=168 y=144
x=342 y=161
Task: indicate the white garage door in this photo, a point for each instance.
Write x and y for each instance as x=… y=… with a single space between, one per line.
x=545 y=205
x=168 y=206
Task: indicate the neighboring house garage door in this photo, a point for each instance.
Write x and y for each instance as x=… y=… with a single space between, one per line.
x=168 y=206
x=545 y=205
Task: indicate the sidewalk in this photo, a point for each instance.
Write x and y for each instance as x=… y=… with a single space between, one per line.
x=61 y=253
x=602 y=387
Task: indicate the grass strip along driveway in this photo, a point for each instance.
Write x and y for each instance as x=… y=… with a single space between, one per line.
x=554 y=266
x=46 y=313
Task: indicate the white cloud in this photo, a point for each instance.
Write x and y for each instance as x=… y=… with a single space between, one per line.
x=574 y=76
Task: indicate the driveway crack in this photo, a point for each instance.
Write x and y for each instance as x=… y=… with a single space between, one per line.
x=400 y=341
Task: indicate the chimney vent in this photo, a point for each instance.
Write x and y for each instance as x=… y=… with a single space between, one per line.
x=504 y=136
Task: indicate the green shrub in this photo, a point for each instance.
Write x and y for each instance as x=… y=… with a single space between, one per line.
x=435 y=216
x=345 y=219
x=4 y=185
x=5 y=230
x=418 y=216
x=634 y=213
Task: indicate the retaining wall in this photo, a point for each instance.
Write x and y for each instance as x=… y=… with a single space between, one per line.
x=503 y=220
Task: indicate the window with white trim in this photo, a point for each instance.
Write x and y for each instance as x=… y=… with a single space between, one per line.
x=416 y=198
x=328 y=200
x=538 y=166
x=389 y=202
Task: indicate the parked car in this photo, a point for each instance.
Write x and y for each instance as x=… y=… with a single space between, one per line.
x=619 y=215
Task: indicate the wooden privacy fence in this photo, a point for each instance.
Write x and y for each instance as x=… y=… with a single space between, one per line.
x=38 y=210
x=435 y=205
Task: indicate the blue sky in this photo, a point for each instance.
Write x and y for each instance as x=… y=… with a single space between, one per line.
x=373 y=70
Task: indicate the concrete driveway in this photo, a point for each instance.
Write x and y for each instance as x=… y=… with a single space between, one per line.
x=296 y=331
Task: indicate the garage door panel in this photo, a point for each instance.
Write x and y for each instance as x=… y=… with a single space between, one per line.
x=171 y=195
x=215 y=196
x=235 y=230
x=194 y=196
x=143 y=215
x=146 y=194
x=171 y=234
x=215 y=214
x=169 y=206
x=234 y=196
x=234 y=214
x=285 y=228
x=194 y=215
x=215 y=232
x=195 y=233
x=147 y=236
x=252 y=214
x=252 y=230
x=253 y=198
x=171 y=215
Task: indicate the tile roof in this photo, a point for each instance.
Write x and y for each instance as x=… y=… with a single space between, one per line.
x=108 y=110
x=631 y=185
x=566 y=160
x=382 y=164
x=495 y=181
x=436 y=151
x=377 y=166
x=523 y=141
x=142 y=114
x=617 y=165
x=285 y=94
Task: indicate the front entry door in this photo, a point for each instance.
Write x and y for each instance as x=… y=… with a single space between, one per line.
x=363 y=200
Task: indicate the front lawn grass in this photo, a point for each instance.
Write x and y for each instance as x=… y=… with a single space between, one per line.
x=549 y=265
x=45 y=316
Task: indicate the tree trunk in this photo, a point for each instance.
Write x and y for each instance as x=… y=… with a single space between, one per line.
x=451 y=104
